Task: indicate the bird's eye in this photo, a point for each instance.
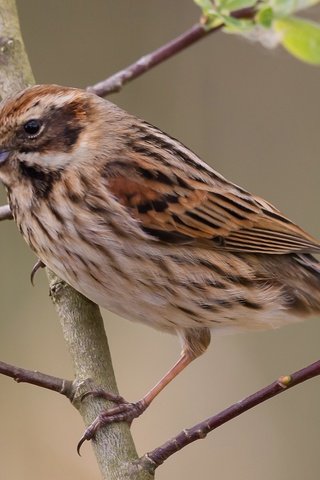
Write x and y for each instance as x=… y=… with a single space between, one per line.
x=32 y=127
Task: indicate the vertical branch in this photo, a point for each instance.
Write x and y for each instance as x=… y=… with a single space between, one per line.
x=85 y=337
x=15 y=69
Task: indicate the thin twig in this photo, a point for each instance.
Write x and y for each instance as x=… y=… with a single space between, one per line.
x=145 y=63
x=65 y=387
x=199 y=431
x=194 y=34
x=85 y=337
x=5 y=213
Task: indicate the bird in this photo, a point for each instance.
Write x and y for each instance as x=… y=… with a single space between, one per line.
x=139 y=224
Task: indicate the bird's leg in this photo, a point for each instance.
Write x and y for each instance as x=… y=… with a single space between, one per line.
x=39 y=264
x=184 y=360
x=193 y=346
x=125 y=411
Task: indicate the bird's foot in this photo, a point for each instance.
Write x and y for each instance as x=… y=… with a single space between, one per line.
x=39 y=264
x=123 y=412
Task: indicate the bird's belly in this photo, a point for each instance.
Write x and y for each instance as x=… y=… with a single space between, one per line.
x=168 y=295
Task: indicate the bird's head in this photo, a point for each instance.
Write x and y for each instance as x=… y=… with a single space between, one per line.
x=46 y=128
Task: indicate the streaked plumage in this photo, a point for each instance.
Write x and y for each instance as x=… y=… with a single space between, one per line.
x=139 y=224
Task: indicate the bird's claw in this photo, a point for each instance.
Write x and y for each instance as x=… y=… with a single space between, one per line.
x=123 y=412
x=39 y=264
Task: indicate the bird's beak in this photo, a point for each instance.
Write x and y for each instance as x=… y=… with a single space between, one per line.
x=4 y=154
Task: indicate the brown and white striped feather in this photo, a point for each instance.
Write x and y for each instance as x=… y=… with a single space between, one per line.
x=175 y=195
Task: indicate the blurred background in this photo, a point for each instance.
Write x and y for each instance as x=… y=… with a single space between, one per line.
x=254 y=115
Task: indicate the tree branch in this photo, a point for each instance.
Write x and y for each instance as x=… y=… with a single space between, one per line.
x=201 y=430
x=21 y=375
x=84 y=333
x=15 y=72
x=147 y=62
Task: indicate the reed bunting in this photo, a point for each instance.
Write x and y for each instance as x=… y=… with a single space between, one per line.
x=136 y=222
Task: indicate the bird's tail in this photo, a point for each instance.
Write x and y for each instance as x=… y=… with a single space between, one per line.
x=309 y=291
x=311 y=263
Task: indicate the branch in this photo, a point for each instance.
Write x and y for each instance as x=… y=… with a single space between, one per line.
x=201 y=430
x=5 y=213
x=147 y=62
x=84 y=333
x=21 y=375
x=15 y=71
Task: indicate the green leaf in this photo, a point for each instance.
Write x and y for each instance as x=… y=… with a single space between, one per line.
x=211 y=19
x=236 y=25
x=232 y=5
x=300 y=37
x=265 y=17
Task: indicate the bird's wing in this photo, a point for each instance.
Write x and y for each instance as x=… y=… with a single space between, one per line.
x=178 y=198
